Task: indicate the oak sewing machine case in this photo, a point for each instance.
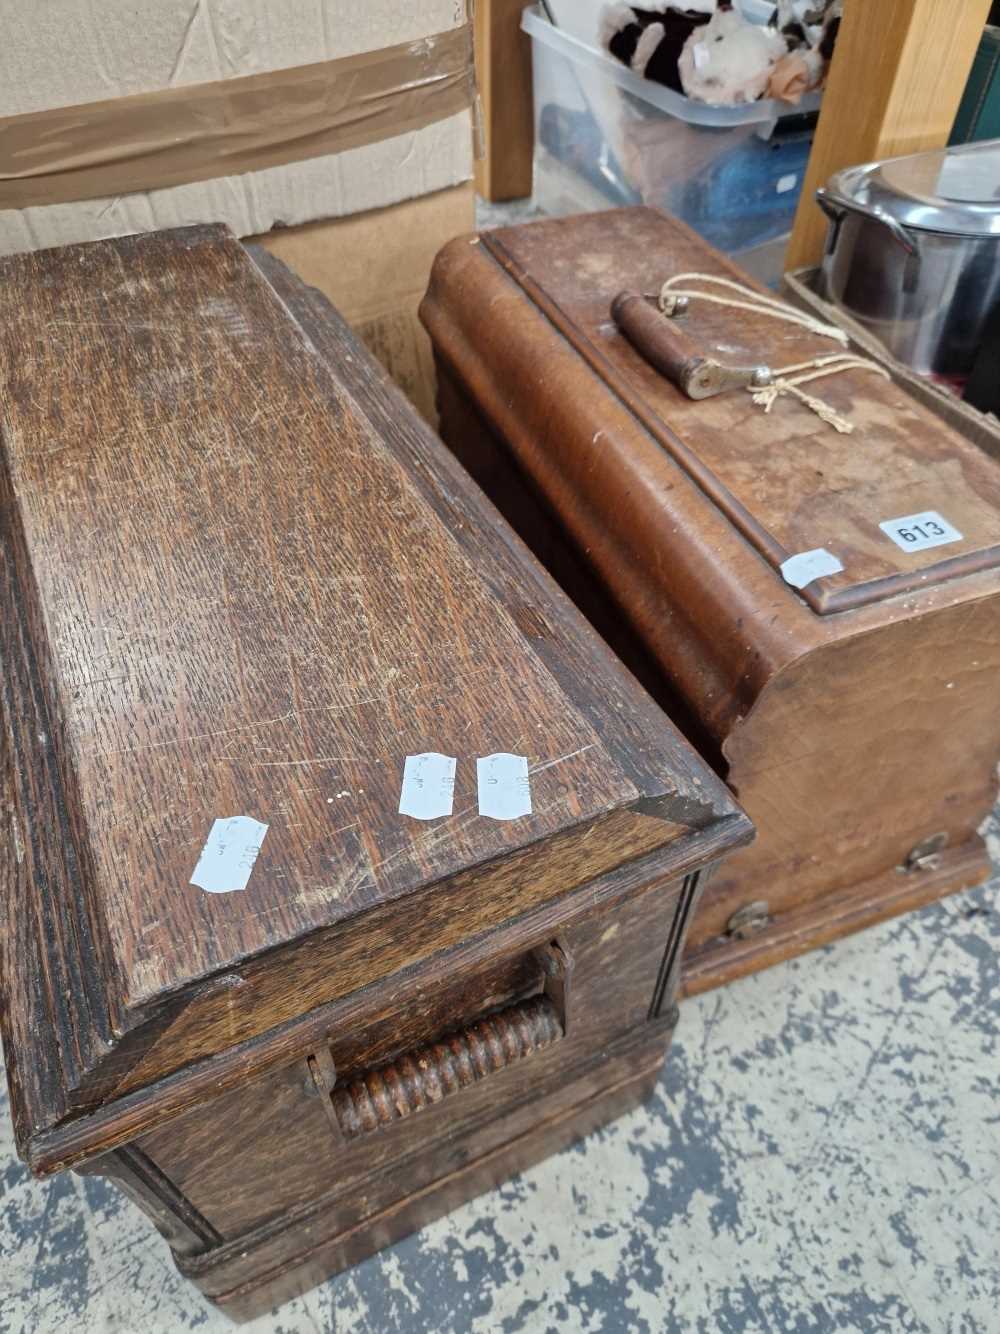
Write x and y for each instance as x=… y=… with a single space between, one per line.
x=295 y=951
x=813 y=590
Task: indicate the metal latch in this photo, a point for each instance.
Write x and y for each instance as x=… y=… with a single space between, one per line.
x=927 y=854
x=748 y=920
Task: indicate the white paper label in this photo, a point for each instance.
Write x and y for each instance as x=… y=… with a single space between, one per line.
x=504 y=786
x=809 y=565
x=428 y=789
x=229 y=854
x=918 y=532
x=786 y=183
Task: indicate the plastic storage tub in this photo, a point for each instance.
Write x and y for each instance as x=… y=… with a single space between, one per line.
x=606 y=137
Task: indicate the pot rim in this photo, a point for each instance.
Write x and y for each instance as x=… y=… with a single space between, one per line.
x=881 y=191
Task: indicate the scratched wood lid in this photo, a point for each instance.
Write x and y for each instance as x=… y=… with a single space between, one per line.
x=903 y=502
x=239 y=588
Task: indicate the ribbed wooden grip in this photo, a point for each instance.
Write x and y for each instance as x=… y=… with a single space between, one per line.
x=425 y=1076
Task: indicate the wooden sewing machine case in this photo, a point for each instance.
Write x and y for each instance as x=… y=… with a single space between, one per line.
x=857 y=718
x=242 y=579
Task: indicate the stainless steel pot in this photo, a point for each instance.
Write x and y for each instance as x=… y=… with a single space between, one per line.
x=913 y=252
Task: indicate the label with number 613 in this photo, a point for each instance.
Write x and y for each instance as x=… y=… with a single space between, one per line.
x=917 y=532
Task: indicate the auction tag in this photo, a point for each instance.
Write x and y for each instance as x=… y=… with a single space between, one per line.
x=428 y=789
x=918 y=532
x=229 y=854
x=504 y=786
x=803 y=568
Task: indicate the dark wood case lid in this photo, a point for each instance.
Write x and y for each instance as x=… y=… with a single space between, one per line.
x=786 y=480
x=240 y=578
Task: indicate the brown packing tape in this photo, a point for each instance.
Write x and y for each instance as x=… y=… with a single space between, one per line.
x=207 y=130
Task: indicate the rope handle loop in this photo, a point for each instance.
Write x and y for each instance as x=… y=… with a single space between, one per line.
x=751 y=300
x=789 y=379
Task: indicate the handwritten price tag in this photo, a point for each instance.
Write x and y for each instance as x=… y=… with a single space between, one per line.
x=504 y=786
x=801 y=569
x=229 y=854
x=428 y=789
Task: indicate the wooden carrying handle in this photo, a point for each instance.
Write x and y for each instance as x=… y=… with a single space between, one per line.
x=420 y=1078
x=661 y=342
x=669 y=350
x=381 y=1097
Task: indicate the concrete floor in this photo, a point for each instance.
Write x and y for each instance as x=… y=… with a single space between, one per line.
x=821 y=1154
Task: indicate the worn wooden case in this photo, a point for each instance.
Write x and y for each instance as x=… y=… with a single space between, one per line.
x=856 y=719
x=241 y=578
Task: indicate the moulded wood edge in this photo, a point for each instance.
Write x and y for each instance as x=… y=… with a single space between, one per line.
x=86 y=1135
x=794 y=933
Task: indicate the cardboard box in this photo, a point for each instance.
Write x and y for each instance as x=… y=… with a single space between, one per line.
x=374 y=267
x=66 y=55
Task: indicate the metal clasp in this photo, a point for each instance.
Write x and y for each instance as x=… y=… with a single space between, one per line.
x=927 y=855
x=749 y=919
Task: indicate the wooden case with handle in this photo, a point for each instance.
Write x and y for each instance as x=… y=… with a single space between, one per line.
x=856 y=717
x=241 y=580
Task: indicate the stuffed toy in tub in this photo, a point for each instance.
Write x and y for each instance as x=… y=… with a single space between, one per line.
x=709 y=51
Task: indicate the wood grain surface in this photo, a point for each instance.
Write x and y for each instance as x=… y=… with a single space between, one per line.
x=250 y=612
x=238 y=584
x=173 y=1216
x=644 y=742
x=715 y=960
x=339 y=1229
x=849 y=736
x=821 y=488
x=262 y=1150
x=221 y=1057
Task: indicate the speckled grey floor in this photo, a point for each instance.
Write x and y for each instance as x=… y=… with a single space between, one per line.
x=821 y=1154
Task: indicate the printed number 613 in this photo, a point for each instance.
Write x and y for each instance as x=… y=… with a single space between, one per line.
x=917 y=532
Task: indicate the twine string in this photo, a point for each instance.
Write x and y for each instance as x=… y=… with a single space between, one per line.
x=789 y=379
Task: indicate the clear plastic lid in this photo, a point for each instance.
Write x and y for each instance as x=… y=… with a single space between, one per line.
x=954 y=190
x=762 y=112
